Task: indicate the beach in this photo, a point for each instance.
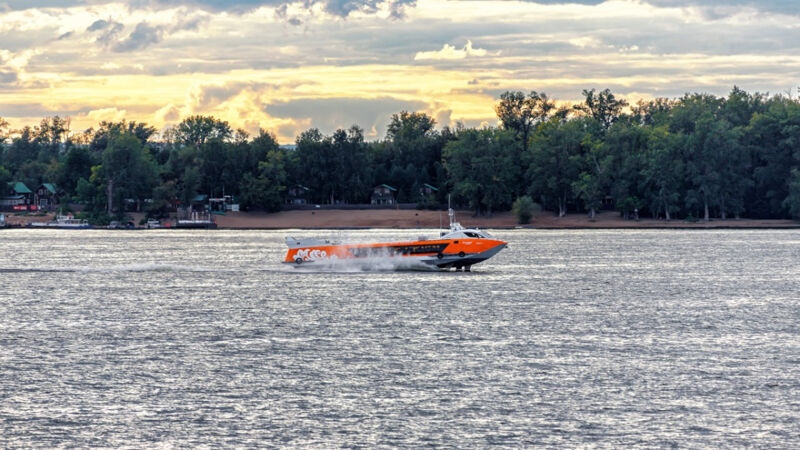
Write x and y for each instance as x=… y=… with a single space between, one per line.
x=393 y=218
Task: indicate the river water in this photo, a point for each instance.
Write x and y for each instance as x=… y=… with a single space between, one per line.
x=567 y=338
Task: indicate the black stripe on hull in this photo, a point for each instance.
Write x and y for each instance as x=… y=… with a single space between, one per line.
x=410 y=249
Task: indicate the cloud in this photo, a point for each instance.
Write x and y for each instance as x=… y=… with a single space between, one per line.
x=450 y=52
x=8 y=77
x=108 y=114
x=145 y=34
x=328 y=114
x=142 y=36
x=237 y=60
x=168 y=114
x=341 y=8
x=110 y=30
x=98 y=25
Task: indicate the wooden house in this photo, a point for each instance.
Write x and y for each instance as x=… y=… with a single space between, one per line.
x=383 y=195
x=426 y=190
x=298 y=195
x=17 y=197
x=46 y=197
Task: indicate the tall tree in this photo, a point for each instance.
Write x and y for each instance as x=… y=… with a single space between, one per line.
x=663 y=172
x=413 y=147
x=480 y=167
x=128 y=170
x=108 y=130
x=265 y=189
x=197 y=130
x=77 y=164
x=3 y=133
x=552 y=163
x=603 y=106
x=520 y=114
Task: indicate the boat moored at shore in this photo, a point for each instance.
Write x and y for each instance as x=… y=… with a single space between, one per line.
x=63 y=222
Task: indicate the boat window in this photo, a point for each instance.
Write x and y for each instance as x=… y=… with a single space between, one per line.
x=472 y=235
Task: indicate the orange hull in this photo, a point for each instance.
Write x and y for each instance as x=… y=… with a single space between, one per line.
x=443 y=253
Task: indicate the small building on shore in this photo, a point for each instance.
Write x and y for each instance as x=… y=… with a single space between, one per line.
x=298 y=195
x=383 y=195
x=17 y=197
x=46 y=197
x=427 y=190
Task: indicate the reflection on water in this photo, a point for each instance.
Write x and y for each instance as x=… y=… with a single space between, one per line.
x=567 y=338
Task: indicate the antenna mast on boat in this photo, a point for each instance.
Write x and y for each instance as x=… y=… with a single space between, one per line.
x=453 y=224
x=450 y=212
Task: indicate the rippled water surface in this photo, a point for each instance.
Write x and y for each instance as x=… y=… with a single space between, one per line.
x=566 y=338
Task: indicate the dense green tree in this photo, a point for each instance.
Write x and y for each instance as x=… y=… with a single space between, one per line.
x=792 y=202
x=662 y=173
x=626 y=145
x=698 y=155
x=523 y=209
x=195 y=131
x=315 y=158
x=77 y=164
x=50 y=135
x=22 y=149
x=107 y=130
x=773 y=138
x=213 y=160
x=603 y=106
x=481 y=168
x=5 y=178
x=3 y=134
x=128 y=172
x=32 y=173
x=163 y=194
x=553 y=161
x=190 y=183
x=412 y=149
x=588 y=187
x=265 y=191
x=520 y=114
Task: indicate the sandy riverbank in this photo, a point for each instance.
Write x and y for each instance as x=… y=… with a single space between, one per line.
x=431 y=219
x=390 y=218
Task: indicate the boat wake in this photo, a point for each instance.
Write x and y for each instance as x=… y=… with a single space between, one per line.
x=143 y=267
x=367 y=264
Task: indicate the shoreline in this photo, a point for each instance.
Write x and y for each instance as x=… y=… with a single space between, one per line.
x=332 y=219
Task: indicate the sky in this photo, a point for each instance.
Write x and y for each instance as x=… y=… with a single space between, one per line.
x=289 y=66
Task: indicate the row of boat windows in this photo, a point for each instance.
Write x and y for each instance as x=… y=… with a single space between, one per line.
x=417 y=249
x=398 y=250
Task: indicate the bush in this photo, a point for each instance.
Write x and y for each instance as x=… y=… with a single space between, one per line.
x=428 y=202
x=523 y=209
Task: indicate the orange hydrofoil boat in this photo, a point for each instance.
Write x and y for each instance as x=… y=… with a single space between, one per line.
x=458 y=248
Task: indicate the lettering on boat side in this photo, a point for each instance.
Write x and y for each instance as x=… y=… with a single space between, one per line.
x=307 y=254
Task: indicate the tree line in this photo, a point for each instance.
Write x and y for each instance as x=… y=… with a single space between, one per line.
x=695 y=157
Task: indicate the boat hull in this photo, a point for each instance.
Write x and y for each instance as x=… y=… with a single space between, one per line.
x=442 y=254
x=61 y=226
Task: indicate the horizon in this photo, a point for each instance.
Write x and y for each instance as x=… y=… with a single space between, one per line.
x=290 y=66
